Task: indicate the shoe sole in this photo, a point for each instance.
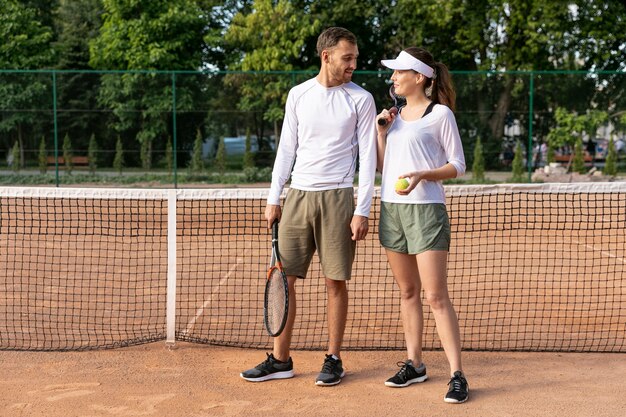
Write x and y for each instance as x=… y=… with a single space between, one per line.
x=275 y=375
x=330 y=384
x=407 y=383
x=453 y=401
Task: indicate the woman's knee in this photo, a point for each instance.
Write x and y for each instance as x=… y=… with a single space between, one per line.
x=437 y=300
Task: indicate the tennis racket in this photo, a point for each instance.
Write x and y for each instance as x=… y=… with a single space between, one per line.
x=392 y=110
x=276 y=303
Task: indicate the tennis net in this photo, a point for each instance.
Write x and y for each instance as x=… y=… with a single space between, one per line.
x=532 y=268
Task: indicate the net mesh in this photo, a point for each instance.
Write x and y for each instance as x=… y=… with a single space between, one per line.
x=531 y=268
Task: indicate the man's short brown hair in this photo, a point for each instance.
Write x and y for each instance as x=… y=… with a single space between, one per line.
x=331 y=37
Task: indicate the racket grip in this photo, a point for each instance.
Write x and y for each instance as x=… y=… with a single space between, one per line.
x=275 y=230
x=383 y=121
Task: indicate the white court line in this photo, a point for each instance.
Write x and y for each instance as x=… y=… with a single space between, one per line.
x=208 y=301
x=603 y=252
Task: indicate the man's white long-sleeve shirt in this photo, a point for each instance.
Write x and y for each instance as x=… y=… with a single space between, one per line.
x=325 y=129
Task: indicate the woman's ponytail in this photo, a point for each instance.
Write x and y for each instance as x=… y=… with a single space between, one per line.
x=439 y=88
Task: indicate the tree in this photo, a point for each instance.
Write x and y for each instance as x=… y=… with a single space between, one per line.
x=118 y=161
x=169 y=156
x=478 y=166
x=578 y=161
x=496 y=35
x=272 y=38
x=92 y=154
x=15 y=157
x=571 y=127
x=610 y=164
x=197 y=164
x=518 y=164
x=220 y=157
x=25 y=45
x=43 y=156
x=147 y=35
x=248 y=156
x=77 y=23
x=68 y=154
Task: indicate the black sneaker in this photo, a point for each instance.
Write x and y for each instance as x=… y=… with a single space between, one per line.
x=459 y=390
x=271 y=368
x=407 y=375
x=331 y=373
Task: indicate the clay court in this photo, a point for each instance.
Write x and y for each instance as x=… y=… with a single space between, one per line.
x=538 y=283
x=198 y=380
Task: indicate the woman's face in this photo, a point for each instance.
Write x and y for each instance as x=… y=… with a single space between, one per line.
x=407 y=82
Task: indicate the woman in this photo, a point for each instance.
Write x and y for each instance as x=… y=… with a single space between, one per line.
x=421 y=144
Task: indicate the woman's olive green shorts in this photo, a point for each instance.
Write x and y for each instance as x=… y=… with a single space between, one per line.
x=414 y=228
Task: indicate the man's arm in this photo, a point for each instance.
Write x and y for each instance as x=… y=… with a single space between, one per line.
x=366 y=133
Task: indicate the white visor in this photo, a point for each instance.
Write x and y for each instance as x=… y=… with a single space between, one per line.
x=406 y=61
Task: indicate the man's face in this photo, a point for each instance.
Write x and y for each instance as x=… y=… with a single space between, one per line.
x=341 y=61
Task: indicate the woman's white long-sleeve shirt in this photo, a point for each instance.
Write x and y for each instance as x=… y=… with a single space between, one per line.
x=325 y=131
x=423 y=144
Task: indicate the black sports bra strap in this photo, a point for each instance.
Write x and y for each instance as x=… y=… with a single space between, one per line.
x=429 y=108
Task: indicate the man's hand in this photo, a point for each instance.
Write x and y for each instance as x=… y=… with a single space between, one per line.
x=359 y=226
x=272 y=213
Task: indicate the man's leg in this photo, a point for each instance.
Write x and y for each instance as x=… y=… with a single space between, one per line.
x=337 y=314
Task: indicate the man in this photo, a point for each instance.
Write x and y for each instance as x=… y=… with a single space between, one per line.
x=329 y=121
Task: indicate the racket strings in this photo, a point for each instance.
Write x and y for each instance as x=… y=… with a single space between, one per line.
x=276 y=300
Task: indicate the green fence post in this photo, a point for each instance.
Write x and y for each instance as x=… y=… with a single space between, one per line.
x=56 y=129
x=530 y=125
x=174 y=130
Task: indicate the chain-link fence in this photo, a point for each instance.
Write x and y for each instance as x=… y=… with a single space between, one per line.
x=159 y=121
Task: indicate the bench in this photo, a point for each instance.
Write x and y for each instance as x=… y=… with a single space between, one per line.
x=77 y=161
x=565 y=158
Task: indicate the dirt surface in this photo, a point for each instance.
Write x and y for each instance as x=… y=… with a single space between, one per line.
x=198 y=380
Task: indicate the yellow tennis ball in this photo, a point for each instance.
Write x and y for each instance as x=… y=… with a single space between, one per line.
x=402 y=184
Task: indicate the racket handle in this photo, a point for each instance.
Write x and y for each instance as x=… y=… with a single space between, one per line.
x=275 y=230
x=382 y=121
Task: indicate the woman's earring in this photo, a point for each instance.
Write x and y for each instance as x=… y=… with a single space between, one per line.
x=429 y=91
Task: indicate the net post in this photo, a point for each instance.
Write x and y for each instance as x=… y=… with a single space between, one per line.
x=531 y=100
x=171 y=269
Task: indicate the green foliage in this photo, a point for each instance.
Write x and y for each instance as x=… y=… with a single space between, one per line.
x=196 y=165
x=578 y=162
x=220 y=157
x=610 y=164
x=43 y=156
x=77 y=22
x=248 y=156
x=272 y=36
x=550 y=153
x=92 y=154
x=147 y=34
x=24 y=44
x=169 y=156
x=478 y=166
x=15 y=157
x=118 y=161
x=570 y=128
x=518 y=164
x=68 y=154
x=25 y=40
x=254 y=174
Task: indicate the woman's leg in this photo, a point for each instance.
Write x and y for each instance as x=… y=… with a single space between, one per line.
x=432 y=266
x=404 y=268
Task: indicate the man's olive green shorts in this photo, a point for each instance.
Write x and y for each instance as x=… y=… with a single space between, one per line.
x=414 y=228
x=318 y=220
